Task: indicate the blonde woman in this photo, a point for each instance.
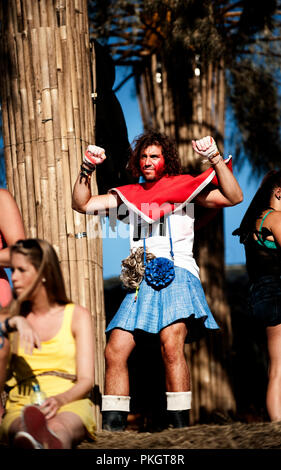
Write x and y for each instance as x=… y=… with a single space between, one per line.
x=62 y=363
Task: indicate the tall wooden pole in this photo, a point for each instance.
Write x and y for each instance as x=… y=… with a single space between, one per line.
x=48 y=121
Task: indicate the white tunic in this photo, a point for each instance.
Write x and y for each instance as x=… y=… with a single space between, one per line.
x=157 y=237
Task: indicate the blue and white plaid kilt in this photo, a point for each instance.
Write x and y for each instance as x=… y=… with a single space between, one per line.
x=153 y=310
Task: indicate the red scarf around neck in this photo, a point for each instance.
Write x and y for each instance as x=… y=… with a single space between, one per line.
x=152 y=200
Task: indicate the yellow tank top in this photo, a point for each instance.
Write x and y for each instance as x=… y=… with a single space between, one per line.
x=57 y=354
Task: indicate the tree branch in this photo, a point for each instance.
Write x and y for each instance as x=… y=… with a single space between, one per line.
x=132 y=74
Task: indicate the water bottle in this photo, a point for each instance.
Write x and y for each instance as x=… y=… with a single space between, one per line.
x=37 y=396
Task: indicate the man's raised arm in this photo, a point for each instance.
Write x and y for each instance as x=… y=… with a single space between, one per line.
x=82 y=199
x=229 y=192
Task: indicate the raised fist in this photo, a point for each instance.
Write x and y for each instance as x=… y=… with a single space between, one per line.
x=94 y=155
x=206 y=147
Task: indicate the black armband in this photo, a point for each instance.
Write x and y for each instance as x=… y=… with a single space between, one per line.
x=9 y=329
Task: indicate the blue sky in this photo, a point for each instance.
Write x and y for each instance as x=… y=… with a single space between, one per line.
x=115 y=249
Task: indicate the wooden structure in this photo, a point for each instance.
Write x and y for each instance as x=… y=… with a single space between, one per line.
x=47 y=86
x=185 y=100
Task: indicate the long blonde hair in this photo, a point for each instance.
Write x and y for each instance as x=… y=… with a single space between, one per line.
x=43 y=257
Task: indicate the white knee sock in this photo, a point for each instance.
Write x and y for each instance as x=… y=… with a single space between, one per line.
x=115 y=403
x=177 y=401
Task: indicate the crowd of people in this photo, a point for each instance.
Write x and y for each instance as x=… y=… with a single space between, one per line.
x=47 y=340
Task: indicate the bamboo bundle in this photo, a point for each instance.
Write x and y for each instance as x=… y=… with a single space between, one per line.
x=48 y=121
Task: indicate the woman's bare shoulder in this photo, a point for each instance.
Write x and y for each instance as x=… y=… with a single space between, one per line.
x=81 y=318
x=81 y=313
x=274 y=215
x=273 y=220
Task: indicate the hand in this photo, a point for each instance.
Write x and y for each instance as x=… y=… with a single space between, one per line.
x=50 y=407
x=29 y=339
x=94 y=155
x=206 y=147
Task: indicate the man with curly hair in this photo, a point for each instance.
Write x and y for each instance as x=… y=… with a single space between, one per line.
x=172 y=304
x=151 y=139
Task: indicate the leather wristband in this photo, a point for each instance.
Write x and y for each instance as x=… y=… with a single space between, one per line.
x=87 y=169
x=214 y=159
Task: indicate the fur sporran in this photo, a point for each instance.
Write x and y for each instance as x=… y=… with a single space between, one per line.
x=133 y=268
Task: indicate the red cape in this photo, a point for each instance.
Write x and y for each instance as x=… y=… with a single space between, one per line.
x=153 y=200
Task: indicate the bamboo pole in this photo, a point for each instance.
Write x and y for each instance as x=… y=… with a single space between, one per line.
x=48 y=121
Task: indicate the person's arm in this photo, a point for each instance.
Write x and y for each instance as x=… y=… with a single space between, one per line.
x=11 y=225
x=229 y=192
x=84 y=202
x=82 y=330
x=28 y=337
x=82 y=199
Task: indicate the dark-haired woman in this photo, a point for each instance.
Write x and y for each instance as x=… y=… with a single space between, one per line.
x=63 y=365
x=260 y=232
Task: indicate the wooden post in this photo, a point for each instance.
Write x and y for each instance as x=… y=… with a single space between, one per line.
x=48 y=122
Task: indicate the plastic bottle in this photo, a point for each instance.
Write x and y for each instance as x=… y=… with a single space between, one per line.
x=37 y=396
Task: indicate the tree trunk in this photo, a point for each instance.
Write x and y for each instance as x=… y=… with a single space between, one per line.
x=48 y=121
x=185 y=105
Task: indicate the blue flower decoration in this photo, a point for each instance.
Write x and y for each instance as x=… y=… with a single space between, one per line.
x=159 y=273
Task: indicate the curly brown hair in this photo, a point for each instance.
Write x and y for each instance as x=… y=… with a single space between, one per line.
x=169 y=151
